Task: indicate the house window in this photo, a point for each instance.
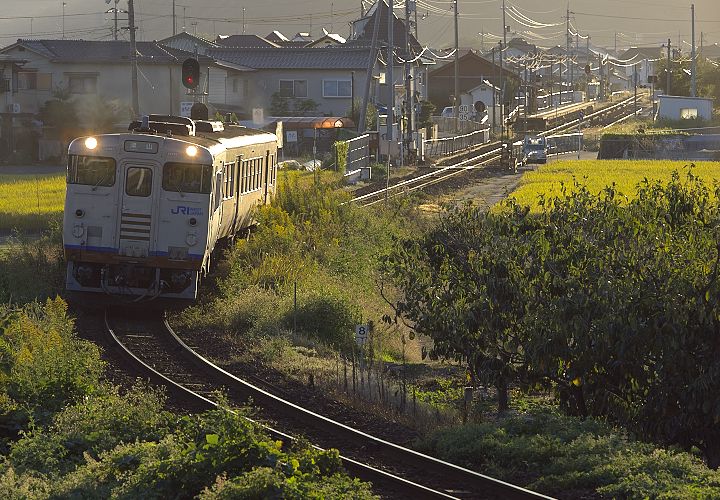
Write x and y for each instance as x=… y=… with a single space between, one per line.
x=82 y=84
x=688 y=113
x=337 y=88
x=293 y=88
x=32 y=80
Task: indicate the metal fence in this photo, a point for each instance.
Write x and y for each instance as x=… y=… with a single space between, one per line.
x=446 y=125
x=564 y=143
x=358 y=155
x=452 y=145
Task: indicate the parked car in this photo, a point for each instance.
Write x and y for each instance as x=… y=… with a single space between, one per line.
x=447 y=112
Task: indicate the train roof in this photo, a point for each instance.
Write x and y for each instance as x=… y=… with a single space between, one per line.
x=209 y=134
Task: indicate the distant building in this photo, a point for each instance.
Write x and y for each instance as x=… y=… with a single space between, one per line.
x=684 y=108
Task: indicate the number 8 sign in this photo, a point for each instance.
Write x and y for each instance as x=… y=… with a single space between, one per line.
x=361 y=334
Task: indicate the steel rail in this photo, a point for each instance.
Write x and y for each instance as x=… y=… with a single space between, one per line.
x=465 y=477
x=359 y=469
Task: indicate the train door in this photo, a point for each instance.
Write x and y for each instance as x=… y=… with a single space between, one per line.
x=136 y=214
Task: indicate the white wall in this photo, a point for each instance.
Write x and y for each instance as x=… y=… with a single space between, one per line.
x=670 y=107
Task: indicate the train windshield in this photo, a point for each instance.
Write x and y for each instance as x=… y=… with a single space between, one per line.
x=187 y=178
x=535 y=143
x=91 y=171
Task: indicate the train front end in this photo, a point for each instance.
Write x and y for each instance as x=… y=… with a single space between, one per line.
x=136 y=216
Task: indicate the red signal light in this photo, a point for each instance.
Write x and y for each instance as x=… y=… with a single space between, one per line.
x=190 y=73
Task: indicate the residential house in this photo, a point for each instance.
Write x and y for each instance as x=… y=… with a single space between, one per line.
x=92 y=70
x=330 y=77
x=473 y=71
x=189 y=43
x=638 y=63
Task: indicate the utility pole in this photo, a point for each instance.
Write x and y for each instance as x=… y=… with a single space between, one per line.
x=390 y=82
x=409 y=104
x=693 y=59
x=502 y=95
x=174 y=21
x=456 y=104
x=63 y=20
x=616 y=43
x=133 y=60
x=368 y=75
x=494 y=84
x=668 y=70
x=504 y=26
x=635 y=82
x=567 y=46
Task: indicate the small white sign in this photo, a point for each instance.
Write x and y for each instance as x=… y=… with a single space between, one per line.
x=291 y=135
x=258 y=116
x=361 y=334
x=185 y=108
x=464 y=108
x=464 y=116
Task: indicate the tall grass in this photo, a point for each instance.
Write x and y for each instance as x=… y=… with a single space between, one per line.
x=29 y=203
x=623 y=175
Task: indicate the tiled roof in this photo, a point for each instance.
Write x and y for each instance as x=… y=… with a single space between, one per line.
x=292 y=58
x=86 y=51
x=245 y=41
x=636 y=54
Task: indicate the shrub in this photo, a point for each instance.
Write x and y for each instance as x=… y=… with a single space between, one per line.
x=44 y=365
x=97 y=424
x=571 y=458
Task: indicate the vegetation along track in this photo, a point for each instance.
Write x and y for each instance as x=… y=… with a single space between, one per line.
x=152 y=349
x=489 y=154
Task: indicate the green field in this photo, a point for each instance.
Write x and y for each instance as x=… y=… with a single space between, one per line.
x=597 y=174
x=29 y=202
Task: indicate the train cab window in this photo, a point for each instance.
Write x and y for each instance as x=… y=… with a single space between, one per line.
x=91 y=171
x=138 y=181
x=187 y=178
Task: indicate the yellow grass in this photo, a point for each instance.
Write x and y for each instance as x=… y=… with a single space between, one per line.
x=597 y=174
x=29 y=202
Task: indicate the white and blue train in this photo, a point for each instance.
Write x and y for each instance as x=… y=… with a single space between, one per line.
x=145 y=209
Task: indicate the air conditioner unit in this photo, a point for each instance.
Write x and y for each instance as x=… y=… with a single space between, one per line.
x=14 y=107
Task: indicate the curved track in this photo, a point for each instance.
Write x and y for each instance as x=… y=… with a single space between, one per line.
x=154 y=350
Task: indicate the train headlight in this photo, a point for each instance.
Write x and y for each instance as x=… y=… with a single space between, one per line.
x=79 y=213
x=191 y=151
x=192 y=221
x=191 y=240
x=78 y=231
x=91 y=143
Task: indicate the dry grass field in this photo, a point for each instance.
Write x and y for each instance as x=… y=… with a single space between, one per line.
x=28 y=203
x=549 y=180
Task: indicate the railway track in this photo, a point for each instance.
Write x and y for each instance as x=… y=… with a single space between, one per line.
x=488 y=155
x=153 y=350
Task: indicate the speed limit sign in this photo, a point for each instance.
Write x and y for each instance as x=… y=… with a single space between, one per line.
x=361 y=334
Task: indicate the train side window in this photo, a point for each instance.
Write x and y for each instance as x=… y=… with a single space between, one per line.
x=229 y=184
x=91 y=171
x=138 y=181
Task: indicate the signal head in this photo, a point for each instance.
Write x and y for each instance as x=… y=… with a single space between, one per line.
x=190 y=73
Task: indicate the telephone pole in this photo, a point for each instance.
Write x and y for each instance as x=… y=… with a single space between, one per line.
x=668 y=70
x=133 y=60
x=390 y=79
x=174 y=20
x=456 y=104
x=567 y=46
x=409 y=104
x=693 y=59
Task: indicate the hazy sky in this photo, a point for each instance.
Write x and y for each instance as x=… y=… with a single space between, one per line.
x=636 y=22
